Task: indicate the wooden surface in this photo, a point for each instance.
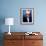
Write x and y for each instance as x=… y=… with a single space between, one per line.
x=33 y=43
x=20 y=39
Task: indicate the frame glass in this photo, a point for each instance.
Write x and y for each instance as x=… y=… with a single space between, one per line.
x=27 y=15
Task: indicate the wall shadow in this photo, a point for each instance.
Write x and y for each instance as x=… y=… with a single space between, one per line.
x=2 y=21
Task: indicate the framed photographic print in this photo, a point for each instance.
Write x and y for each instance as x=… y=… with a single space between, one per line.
x=27 y=15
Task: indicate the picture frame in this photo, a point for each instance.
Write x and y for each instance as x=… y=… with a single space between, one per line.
x=27 y=15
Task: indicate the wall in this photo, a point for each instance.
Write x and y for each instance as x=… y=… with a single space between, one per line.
x=10 y=8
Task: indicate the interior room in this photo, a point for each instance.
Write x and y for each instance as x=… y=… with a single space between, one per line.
x=14 y=9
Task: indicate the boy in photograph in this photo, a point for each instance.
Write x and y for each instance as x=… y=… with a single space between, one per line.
x=28 y=16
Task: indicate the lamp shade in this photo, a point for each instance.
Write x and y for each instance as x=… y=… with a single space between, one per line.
x=9 y=21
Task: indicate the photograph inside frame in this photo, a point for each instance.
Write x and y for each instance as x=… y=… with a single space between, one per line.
x=27 y=15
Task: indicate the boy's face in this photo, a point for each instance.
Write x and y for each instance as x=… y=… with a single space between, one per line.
x=27 y=12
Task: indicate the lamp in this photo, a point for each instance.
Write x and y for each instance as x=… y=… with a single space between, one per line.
x=9 y=21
